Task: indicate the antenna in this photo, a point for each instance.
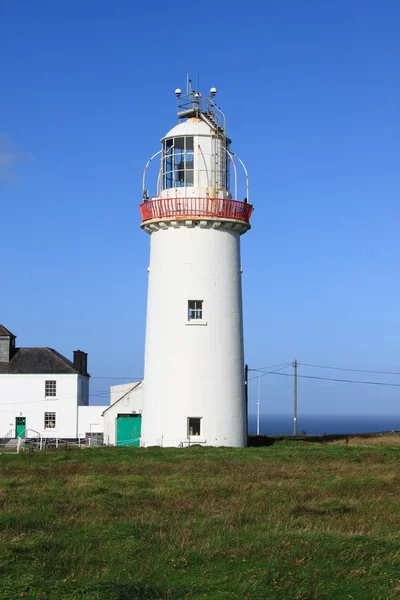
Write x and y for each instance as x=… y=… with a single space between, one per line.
x=187 y=83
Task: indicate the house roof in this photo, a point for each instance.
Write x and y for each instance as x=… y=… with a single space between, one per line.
x=37 y=360
x=4 y=331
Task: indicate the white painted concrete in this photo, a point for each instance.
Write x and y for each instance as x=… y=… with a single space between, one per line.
x=194 y=368
x=90 y=420
x=117 y=391
x=23 y=395
x=125 y=399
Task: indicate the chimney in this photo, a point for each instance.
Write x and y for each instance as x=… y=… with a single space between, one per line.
x=7 y=345
x=80 y=361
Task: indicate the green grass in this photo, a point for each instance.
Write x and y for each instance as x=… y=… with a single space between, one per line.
x=291 y=521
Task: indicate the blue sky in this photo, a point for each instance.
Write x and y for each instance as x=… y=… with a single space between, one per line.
x=311 y=91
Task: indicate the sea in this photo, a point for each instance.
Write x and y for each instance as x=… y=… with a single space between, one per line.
x=324 y=424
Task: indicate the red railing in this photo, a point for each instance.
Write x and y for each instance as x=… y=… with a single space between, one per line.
x=182 y=208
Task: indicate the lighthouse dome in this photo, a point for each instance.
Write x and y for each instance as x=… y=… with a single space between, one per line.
x=193 y=126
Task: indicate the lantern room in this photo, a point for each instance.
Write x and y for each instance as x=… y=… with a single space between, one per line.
x=197 y=166
x=195 y=156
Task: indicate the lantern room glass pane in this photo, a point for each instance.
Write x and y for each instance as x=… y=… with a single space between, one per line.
x=178 y=162
x=189 y=158
x=179 y=178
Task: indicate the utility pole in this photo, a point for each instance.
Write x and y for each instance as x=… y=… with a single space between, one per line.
x=295 y=397
x=258 y=405
x=246 y=396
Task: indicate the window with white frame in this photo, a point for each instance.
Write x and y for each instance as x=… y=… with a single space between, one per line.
x=195 y=309
x=178 y=160
x=194 y=426
x=50 y=389
x=49 y=420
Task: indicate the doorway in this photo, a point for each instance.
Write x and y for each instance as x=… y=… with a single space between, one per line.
x=20 y=427
x=129 y=429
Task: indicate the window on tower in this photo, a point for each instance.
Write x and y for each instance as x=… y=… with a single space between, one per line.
x=194 y=426
x=178 y=162
x=195 y=309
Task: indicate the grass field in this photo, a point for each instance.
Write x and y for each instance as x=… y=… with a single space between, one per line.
x=294 y=521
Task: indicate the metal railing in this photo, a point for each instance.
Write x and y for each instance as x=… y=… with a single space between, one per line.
x=183 y=208
x=32 y=439
x=30 y=431
x=20 y=444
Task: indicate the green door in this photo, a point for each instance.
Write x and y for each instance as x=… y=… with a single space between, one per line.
x=20 y=427
x=128 y=430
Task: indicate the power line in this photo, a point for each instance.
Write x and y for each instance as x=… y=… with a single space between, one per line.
x=271 y=366
x=269 y=372
x=95 y=394
x=336 y=379
x=347 y=369
x=130 y=378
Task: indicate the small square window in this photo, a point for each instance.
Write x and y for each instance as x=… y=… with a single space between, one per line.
x=195 y=309
x=49 y=420
x=194 y=426
x=50 y=388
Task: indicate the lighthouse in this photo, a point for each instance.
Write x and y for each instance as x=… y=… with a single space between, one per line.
x=194 y=388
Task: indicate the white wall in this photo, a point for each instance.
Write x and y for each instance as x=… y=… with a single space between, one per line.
x=83 y=390
x=126 y=398
x=90 y=420
x=194 y=368
x=23 y=395
x=117 y=391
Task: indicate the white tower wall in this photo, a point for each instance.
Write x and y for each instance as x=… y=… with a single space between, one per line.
x=194 y=368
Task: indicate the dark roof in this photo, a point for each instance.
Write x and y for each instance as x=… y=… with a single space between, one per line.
x=37 y=360
x=4 y=331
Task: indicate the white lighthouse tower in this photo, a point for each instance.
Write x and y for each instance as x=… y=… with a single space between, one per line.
x=194 y=389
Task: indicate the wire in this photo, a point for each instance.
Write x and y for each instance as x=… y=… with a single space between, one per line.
x=95 y=394
x=272 y=366
x=336 y=379
x=347 y=369
x=270 y=372
x=130 y=378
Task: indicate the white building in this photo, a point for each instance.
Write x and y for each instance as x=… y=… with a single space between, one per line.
x=123 y=418
x=194 y=363
x=42 y=393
